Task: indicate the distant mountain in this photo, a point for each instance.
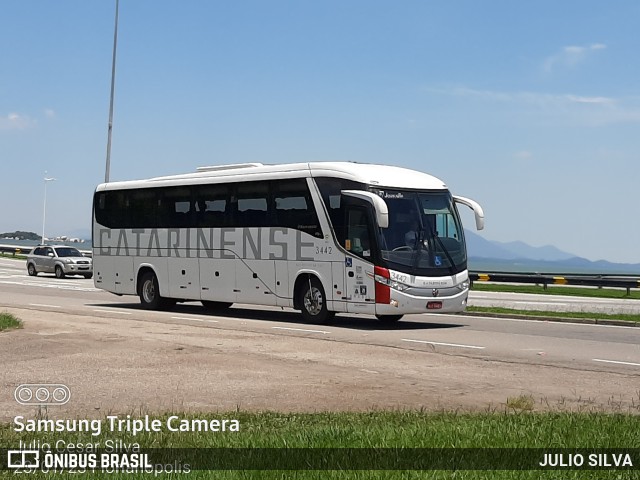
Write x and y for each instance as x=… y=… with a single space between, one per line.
x=548 y=252
x=520 y=257
x=19 y=235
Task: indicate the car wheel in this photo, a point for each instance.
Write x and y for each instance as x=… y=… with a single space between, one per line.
x=31 y=270
x=389 y=318
x=313 y=302
x=88 y=275
x=59 y=272
x=150 y=294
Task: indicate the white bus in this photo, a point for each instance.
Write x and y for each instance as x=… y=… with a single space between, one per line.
x=320 y=237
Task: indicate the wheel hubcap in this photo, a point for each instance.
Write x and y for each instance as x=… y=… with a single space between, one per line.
x=148 y=291
x=313 y=301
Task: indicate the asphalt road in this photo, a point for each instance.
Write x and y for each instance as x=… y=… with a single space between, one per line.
x=481 y=360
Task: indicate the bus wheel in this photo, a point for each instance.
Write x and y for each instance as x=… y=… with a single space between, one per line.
x=213 y=306
x=389 y=318
x=150 y=294
x=313 y=302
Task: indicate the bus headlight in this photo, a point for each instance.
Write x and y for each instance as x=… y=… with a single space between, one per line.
x=463 y=286
x=401 y=287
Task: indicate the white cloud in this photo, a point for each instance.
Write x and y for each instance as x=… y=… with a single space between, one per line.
x=568 y=108
x=532 y=98
x=570 y=56
x=16 y=121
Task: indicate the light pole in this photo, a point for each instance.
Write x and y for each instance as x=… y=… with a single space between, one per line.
x=113 y=84
x=44 y=208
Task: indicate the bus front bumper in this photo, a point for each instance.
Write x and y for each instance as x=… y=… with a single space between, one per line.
x=402 y=303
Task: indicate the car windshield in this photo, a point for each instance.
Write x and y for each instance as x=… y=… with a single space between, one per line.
x=68 y=252
x=424 y=236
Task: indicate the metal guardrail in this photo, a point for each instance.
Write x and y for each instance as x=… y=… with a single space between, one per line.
x=544 y=279
x=18 y=250
x=15 y=250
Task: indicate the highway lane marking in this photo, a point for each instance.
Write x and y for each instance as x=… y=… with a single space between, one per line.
x=300 y=330
x=44 y=305
x=112 y=311
x=47 y=285
x=444 y=344
x=617 y=362
x=196 y=319
x=555 y=304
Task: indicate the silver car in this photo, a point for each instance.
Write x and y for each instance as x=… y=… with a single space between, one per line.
x=61 y=260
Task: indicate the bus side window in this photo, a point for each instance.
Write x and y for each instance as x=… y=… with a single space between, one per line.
x=293 y=206
x=212 y=205
x=358 y=238
x=252 y=205
x=174 y=207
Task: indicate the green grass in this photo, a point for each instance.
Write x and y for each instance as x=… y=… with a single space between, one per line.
x=542 y=313
x=558 y=290
x=377 y=430
x=8 y=321
x=19 y=256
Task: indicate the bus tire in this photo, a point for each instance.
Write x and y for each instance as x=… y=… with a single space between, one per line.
x=389 y=318
x=150 y=294
x=313 y=302
x=215 y=306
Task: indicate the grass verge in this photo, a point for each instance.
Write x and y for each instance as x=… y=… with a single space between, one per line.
x=558 y=290
x=373 y=433
x=625 y=317
x=9 y=321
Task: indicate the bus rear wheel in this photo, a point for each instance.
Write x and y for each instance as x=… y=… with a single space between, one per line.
x=313 y=303
x=150 y=294
x=389 y=318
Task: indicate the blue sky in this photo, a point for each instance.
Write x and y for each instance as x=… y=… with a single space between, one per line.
x=530 y=108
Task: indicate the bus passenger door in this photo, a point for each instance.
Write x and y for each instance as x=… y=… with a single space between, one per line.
x=359 y=241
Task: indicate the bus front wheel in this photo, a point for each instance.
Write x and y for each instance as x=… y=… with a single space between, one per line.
x=313 y=302
x=150 y=294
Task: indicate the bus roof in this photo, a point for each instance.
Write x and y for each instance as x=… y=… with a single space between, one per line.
x=376 y=175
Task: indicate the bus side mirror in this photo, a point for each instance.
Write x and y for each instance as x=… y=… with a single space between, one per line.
x=379 y=205
x=475 y=206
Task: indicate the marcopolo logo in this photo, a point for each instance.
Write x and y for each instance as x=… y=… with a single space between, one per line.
x=42 y=394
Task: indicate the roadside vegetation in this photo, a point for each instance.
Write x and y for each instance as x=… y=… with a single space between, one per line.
x=18 y=256
x=558 y=290
x=9 y=321
x=623 y=317
x=510 y=427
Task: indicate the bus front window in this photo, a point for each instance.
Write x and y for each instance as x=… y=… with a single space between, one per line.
x=425 y=236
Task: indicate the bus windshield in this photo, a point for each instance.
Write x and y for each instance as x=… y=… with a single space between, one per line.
x=425 y=235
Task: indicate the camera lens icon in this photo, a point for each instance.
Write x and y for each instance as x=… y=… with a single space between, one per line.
x=42 y=394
